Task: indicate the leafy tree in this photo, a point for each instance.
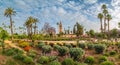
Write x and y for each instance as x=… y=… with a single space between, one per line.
x=114 y=33
x=74 y=29
x=8 y=13
x=92 y=33
x=78 y=29
x=3 y=35
x=119 y=24
x=48 y=29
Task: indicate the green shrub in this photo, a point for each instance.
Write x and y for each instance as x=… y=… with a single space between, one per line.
x=99 y=48
x=90 y=60
x=43 y=60
x=38 y=64
x=28 y=60
x=106 y=54
x=102 y=59
x=68 y=45
x=107 y=63
x=17 y=51
x=76 y=53
x=56 y=47
x=90 y=46
x=55 y=63
x=18 y=57
x=118 y=56
x=81 y=45
x=40 y=44
x=118 y=45
x=9 y=52
x=13 y=51
x=10 y=62
x=31 y=54
x=52 y=58
x=112 y=53
x=24 y=44
x=46 y=49
x=68 y=61
x=63 y=50
x=77 y=63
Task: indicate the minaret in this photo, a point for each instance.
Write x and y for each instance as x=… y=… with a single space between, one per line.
x=60 y=27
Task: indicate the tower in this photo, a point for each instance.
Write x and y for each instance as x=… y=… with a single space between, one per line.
x=60 y=27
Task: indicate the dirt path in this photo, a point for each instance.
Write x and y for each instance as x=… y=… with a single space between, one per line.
x=2 y=59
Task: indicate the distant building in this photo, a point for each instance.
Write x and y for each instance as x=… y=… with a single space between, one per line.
x=60 y=27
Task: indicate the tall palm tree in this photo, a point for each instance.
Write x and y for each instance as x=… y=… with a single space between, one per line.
x=8 y=13
x=105 y=12
x=104 y=7
x=100 y=16
x=29 y=25
x=35 y=27
x=108 y=19
x=31 y=21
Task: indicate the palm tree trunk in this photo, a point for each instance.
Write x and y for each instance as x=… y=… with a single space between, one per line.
x=108 y=29
x=101 y=25
x=11 y=28
x=28 y=30
x=108 y=26
x=105 y=24
x=35 y=29
x=31 y=30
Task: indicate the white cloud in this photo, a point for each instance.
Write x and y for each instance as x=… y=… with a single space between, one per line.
x=55 y=10
x=61 y=0
x=115 y=13
x=90 y=1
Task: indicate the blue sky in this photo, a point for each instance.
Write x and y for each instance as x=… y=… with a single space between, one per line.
x=67 y=11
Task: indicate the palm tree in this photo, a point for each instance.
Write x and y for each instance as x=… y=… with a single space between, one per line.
x=29 y=25
x=35 y=27
x=108 y=19
x=8 y=13
x=100 y=16
x=104 y=6
x=105 y=12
